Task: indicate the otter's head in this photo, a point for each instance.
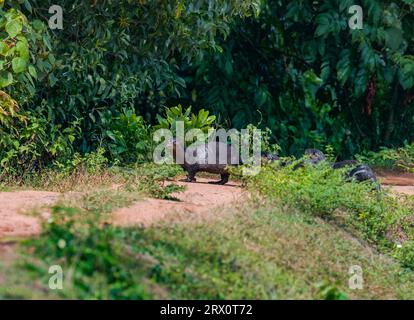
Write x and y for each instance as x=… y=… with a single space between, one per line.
x=173 y=147
x=315 y=155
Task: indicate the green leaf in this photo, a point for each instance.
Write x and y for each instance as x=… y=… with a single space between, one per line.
x=38 y=25
x=3 y=48
x=394 y=38
x=28 y=6
x=13 y=28
x=343 y=67
x=18 y=65
x=52 y=82
x=324 y=21
x=47 y=42
x=6 y=79
x=23 y=50
x=52 y=59
x=32 y=71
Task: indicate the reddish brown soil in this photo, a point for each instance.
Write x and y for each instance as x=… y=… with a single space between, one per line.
x=197 y=200
x=399 y=182
x=13 y=220
x=396 y=178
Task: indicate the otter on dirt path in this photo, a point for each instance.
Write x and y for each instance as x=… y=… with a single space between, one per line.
x=211 y=157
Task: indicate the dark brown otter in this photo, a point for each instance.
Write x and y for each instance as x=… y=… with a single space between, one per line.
x=344 y=163
x=358 y=172
x=312 y=157
x=315 y=156
x=211 y=157
x=362 y=173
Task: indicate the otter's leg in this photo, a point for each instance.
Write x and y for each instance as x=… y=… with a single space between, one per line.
x=224 y=179
x=191 y=176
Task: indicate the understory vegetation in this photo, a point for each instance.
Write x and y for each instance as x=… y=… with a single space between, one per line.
x=376 y=216
x=399 y=159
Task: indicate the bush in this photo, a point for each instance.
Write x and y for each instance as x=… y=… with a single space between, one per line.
x=24 y=51
x=128 y=138
x=8 y=110
x=202 y=121
x=405 y=254
x=31 y=142
x=265 y=139
x=398 y=159
x=322 y=191
x=150 y=179
x=90 y=163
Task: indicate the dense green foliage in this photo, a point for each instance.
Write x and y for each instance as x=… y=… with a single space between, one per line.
x=24 y=52
x=202 y=121
x=121 y=54
x=306 y=75
x=116 y=66
x=395 y=159
x=292 y=66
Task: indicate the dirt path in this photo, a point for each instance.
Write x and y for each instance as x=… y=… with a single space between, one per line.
x=402 y=183
x=198 y=198
x=13 y=205
x=195 y=202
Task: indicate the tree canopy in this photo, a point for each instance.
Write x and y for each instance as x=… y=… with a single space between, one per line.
x=293 y=66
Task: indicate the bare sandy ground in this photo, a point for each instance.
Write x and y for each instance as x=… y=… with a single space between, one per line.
x=198 y=198
x=13 y=206
x=402 y=183
x=195 y=202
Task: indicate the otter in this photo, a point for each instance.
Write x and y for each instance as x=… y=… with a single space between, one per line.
x=343 y=164
x=313 y=157
x=206 y=157
x=358 y=172
x=362 y=173
x=269 y=157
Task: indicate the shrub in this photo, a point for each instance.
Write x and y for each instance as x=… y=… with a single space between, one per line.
x=8 y=110
x=399 y=159
x=31 y=142
x=24 y=52
x=265 y=139
x=202 y=120
x=128 y=138
x=405 y=254
x=322 y=191
x=91 y=163
x=150 y=179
